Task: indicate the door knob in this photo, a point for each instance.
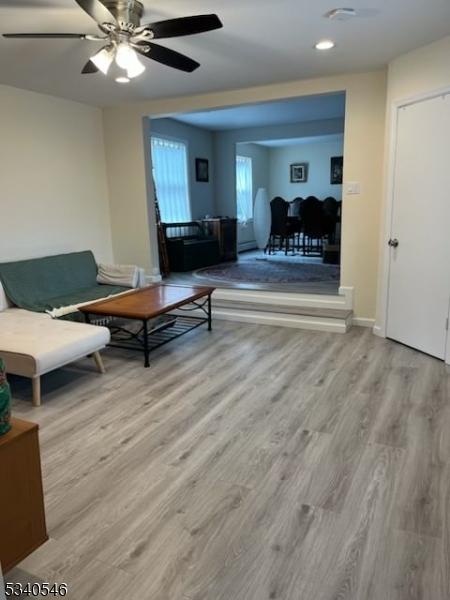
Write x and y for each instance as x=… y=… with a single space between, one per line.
x=393 y=242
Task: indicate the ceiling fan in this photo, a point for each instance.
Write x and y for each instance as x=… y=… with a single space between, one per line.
x=126 y=39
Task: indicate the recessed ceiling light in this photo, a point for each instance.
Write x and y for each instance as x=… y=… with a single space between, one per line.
x=325 y=45
x=122 y=80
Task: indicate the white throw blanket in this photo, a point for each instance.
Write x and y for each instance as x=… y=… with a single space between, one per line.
x=55 y=313
x=124 y=275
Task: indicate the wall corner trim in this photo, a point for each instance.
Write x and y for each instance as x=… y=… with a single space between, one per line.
x=363 y=322
x=378 y=331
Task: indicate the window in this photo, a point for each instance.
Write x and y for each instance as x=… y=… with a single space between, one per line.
x=244 y=188
x=169 y=158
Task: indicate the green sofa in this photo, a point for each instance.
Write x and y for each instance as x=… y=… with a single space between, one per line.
x=45 y=284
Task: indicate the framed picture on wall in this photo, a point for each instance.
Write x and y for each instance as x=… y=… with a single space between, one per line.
x=337 y=167
x=202 y=170
x=299 y=173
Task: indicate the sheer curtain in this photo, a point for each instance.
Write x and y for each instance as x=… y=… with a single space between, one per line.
x=169 y=158
x=244 y=188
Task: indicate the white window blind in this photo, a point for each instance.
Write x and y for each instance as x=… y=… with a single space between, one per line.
x=244 y=188
x=169 y=158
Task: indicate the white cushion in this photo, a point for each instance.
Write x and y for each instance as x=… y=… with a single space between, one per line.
x=51 y=343
x=26 y=314
x=124 y=275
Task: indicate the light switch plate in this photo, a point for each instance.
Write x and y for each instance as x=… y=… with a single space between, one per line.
x=353 y=187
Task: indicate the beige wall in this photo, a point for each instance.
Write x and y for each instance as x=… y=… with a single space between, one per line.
x=54 y=194
x=126 y=169
x=422 y=71
x=363 y=152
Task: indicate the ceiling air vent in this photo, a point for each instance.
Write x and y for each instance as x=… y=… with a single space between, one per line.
x=341 y=14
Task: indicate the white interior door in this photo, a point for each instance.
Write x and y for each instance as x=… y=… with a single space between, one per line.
x=419 y=276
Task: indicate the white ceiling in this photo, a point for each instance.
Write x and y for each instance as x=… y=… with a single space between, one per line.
x=263 y=41
x=337 y=137
x=310 y=108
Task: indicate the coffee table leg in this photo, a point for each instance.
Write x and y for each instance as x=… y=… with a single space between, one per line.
x=146 y=351
x=209 y=313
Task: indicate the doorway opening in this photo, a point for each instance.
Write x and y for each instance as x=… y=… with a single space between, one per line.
x=274 y=167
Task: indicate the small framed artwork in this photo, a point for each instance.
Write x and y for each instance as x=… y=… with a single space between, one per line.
x=299 y=173
x=202 y=170
x=337 y=167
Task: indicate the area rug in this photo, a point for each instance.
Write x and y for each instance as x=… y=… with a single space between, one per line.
x=270 y=271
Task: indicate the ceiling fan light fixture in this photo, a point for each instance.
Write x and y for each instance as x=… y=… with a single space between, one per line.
x=125 y=56
x=136 y=69
x=103 y=59
x=121 y=30
x=127 y=59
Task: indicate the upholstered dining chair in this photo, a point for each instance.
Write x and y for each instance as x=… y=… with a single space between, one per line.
x=331 y=210
x=295 y=221
x=294 y=207
x=313 y=221
x=281 y=232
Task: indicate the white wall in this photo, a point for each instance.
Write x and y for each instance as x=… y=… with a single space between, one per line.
x=317 y=155
x=422 y=71
x=54 y=194
x=260 y=172
x=200 y=145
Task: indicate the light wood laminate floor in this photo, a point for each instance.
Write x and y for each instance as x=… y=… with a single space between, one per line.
x=249 y=463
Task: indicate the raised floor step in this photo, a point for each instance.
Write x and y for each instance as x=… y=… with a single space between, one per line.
x=324 y=313
x=309 y=311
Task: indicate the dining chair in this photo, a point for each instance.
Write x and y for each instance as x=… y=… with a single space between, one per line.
x=281 y=231
x=295 y=221
x=294 y=207
x=313 y=221
x=330 y=210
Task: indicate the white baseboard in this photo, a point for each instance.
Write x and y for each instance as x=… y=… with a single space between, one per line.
x=242 y=247
x=363 y=322
x=153 y=278
x=281 y=320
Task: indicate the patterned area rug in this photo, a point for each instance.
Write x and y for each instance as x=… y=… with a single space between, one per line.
x=270 y=271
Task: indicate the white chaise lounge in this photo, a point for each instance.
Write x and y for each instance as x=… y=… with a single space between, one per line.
x=33 y=344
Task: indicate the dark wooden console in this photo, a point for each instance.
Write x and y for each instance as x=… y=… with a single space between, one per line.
x=22 y=516
x=225 y=230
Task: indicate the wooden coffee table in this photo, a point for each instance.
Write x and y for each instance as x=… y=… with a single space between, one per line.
x=150 y=309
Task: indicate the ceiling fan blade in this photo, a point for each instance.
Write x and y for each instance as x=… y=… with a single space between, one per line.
x=89 y=67
x=49 y=36
x=184 y=26
x=168 y=57
x=96 y=10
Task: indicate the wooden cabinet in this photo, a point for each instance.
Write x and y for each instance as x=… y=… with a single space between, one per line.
x=22 y=516
x=225 y=230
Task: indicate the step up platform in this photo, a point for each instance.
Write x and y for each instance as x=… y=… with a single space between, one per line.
x=303 y=311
